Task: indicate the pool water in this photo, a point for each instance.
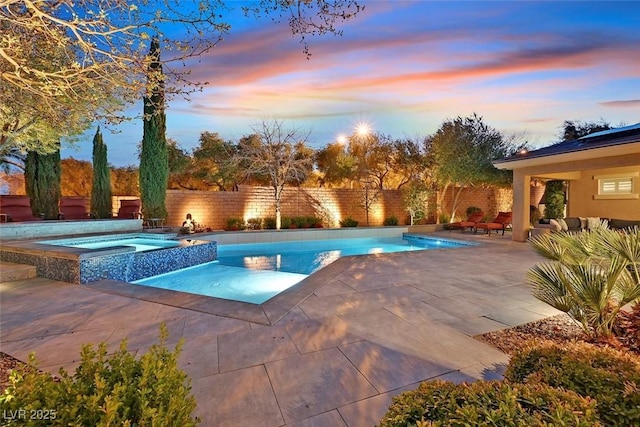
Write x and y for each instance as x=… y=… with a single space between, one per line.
x=256 y=272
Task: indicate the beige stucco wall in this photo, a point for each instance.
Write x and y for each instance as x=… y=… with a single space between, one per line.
x=578 y=170
x=581 y=201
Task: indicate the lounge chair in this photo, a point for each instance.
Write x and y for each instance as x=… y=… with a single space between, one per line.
x=501 y=222
x=470 y=223
x=130 y=209
x=74 y=208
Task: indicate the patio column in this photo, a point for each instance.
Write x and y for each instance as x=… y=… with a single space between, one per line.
x=521 y=201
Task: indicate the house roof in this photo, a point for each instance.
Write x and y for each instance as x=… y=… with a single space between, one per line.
x=607 y=138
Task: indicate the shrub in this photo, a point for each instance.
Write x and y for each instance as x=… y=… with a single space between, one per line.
x=472 y=209
x=314 y=222
x=609 y=376
x=234 y=224
x=300 y=222
x=391 y=221
x=591 y=275
x=489 y=403
x=285 y=222
x=269 y=223
x=118 y=389
x=554 y=199
x=348 y=222
x=444 y=218
x=255 y=224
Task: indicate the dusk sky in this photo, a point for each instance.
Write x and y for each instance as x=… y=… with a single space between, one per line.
x=406 y=66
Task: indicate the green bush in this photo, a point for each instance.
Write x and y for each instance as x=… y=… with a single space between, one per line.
x=348 y=222
x=591 y=275
x=609 y=376
x=444 y=218
x=285 y=222
x=472 y=209
x=299 y=222
x=269 y=223
x=235 y=224
x=554 y=199
x=256 y=224
x=118 y=389
x=485 y=403
x=391 y=221
x=314 y=222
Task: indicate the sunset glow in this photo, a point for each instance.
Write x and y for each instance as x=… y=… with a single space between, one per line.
x=409 y=65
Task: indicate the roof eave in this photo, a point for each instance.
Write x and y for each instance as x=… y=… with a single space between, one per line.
x=587 y=154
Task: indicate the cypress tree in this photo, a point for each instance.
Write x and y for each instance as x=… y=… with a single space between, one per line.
x=42 y=173
x=154 y=157
x=101 y=185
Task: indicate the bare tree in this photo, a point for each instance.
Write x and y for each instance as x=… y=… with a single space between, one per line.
x=277 y=154
x=66 y=63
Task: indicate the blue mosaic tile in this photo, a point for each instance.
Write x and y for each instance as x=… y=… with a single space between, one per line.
x=113 y=263
x=132 y=266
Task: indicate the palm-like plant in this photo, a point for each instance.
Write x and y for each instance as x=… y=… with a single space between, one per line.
x=591 y=275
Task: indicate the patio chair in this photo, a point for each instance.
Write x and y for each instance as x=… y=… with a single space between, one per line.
x=74 y=208
x=17 y=209
x=501 y=222
x=130 y=209
x=470 y=223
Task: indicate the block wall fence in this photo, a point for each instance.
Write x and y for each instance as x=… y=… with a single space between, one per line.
x=212 y=208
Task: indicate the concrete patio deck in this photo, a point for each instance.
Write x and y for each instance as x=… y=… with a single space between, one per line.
x=374 y=326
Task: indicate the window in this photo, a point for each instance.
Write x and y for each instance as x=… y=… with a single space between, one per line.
x=618 y=186
x=615 y=186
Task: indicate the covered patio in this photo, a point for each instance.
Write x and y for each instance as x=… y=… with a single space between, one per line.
x=602 y=171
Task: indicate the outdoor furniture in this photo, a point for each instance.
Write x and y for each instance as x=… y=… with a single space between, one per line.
x=17 y=208
x=470 y=223
x=130 y=209
x=74 y=208
x=501 y=222
x=154 y=222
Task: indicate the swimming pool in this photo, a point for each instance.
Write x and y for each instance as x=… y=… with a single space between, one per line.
x=256 y=272
x=140 y=243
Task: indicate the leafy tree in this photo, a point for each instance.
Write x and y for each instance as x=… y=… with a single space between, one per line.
x=335 y=165
x=42 y=182
x=64 y=64
x=416 y=197
x=278 y=154
x=410 y=162
x=35 y=117
x=180 y=167
x=461 y=153
x=214 y=162
x=154 y=157
x=77 y=177
x=125 y=181
x=101 y=186
x=373 y=156
x=574 y=129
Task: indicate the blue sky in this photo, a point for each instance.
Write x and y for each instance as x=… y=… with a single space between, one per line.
x=406 y=66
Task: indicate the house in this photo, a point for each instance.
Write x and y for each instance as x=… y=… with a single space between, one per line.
x=602 y=172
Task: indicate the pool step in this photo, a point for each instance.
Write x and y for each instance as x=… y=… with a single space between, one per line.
x=10 y=271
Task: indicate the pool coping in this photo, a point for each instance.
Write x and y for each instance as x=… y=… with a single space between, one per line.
x=267 y=313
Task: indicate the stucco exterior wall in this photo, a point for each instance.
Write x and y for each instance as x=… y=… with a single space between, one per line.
x=582 y=203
